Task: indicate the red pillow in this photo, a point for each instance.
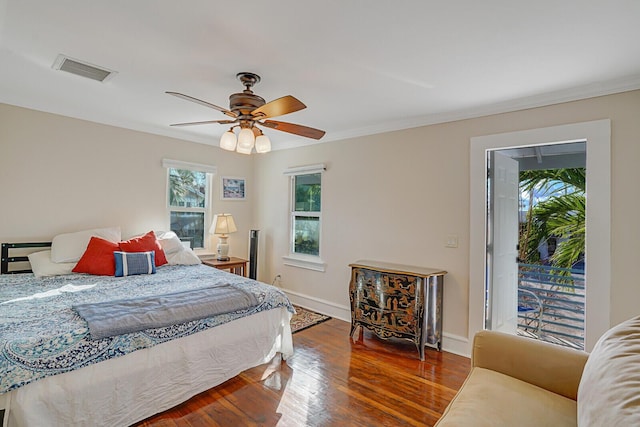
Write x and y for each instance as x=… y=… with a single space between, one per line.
x=98 y=258
x=146 y=243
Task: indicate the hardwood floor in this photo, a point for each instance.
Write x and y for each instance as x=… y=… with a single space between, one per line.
x=331 y=380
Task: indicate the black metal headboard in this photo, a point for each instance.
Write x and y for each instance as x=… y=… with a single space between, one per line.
x=6 y=259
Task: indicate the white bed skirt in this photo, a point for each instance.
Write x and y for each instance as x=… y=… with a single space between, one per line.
x=122 y=391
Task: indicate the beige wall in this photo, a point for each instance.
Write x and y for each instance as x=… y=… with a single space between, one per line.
x=392 y=197
x=396 y=196
x=60 y=174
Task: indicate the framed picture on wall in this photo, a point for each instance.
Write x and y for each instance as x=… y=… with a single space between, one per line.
x=232 y=188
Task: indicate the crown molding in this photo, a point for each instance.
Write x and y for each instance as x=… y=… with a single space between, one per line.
x=576 y=93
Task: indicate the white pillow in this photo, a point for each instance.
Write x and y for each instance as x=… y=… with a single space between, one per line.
x=170 y=242
x=609 y=389
x=42 y=265
x=69 y=247
x=184 y=257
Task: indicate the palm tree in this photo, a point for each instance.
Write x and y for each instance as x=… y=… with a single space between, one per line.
x=561 y=214
x=184 y=185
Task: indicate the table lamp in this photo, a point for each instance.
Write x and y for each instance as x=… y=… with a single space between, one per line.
x=222 y=225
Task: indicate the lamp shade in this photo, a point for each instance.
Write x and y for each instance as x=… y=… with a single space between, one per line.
x=228 y=140
x=263 y=144
x=223 y=224
x=246 y=139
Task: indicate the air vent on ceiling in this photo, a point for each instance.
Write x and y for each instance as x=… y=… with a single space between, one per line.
x=84 y=69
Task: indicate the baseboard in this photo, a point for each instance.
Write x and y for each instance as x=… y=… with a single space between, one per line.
x=451 y=343
x=321 y=306
x=455 y=344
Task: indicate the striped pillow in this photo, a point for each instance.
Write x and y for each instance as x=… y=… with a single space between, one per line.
x=130 y=263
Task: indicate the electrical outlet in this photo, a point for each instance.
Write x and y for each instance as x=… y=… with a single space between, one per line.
x=276 y=281
x=452 y=241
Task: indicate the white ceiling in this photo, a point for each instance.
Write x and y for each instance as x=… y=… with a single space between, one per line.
x=361 y=67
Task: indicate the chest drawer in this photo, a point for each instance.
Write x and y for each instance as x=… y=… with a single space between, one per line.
x=397 y=301
x=386 y=291
x=395 y=321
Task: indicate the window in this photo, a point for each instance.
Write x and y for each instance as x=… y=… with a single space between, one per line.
x=306 y=217
x=306 y=214
x=188 y=201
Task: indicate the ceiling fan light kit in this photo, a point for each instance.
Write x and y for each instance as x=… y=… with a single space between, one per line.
x=228 y=140
x=263 y=144
x=249 y=110
x=246 y=140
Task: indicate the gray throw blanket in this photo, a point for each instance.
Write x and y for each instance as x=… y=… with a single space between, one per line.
x=110 y=318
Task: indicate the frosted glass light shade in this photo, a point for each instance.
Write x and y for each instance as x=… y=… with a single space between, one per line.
x=243 y=150
x=246 y=139
x=263 y=144
x=228 y=141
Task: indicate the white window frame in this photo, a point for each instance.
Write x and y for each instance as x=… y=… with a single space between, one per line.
x=310 y=262
x=207 y=210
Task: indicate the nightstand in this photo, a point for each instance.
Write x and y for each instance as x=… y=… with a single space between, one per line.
x=234 y=265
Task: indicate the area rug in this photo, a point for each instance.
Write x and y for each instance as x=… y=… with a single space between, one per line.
x=304 y=319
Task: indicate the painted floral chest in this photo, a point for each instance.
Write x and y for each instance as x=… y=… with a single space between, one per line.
x=397 y=301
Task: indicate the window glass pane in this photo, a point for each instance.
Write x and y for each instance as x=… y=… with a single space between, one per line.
x=187 y=188
x=189 y=226
x=307 y=193
x=307 y=235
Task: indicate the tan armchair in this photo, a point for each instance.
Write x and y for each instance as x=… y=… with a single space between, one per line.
x=517 y=381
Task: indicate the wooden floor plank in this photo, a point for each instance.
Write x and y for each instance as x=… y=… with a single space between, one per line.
x=330 y=380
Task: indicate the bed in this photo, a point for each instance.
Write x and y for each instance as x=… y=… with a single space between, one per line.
x=53 y=369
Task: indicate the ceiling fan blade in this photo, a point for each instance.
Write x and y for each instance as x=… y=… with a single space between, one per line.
x=205 y=103
x=278 y=107
x=295 y=129
x=207 y=122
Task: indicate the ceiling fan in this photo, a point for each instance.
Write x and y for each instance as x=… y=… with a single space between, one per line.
x=246 y=111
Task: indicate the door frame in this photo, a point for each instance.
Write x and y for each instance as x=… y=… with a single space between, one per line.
x=598 y=240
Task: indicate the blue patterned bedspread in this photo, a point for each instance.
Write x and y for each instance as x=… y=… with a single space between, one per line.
x=41 y=335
